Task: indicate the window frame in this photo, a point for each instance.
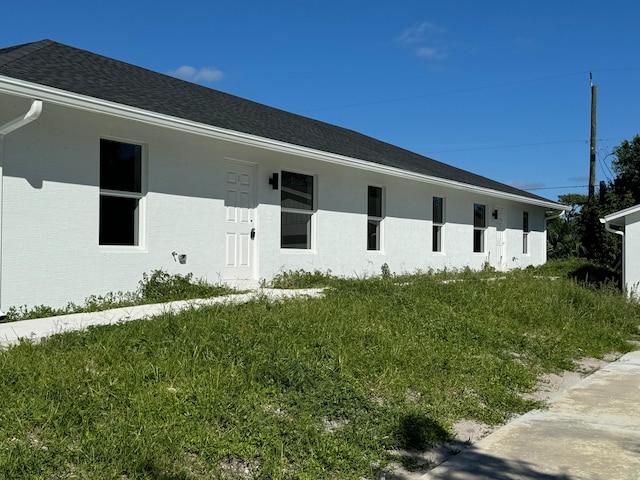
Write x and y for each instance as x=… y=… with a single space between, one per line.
x=437 y=236
x=377 y=221
x=139 y=213
x=310 y=212
x=525 y=233
x=479 y=241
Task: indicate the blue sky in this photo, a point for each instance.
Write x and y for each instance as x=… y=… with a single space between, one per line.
x=500 y=88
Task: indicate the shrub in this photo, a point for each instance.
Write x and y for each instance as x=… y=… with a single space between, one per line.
x=156 y=287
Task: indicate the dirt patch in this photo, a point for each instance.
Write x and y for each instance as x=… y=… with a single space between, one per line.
x=550 y=385
x=331 y=426
x=416 y=463
x=237 y=468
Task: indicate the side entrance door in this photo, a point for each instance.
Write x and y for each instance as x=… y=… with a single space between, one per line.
x=501 y=239
x=240 y=222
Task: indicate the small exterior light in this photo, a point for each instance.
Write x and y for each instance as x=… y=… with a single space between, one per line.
x=273 y=181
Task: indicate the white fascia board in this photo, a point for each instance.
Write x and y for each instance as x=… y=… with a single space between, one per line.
x=612 y=217
x=73 y=100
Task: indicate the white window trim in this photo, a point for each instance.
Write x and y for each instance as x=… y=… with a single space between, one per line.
x=141 y=196
x=481 y=229
x=380 y=220
x=439 y=224
x=312 y=213
x=526 y=246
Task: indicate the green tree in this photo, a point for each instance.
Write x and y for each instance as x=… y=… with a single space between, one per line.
x=624 y=191
x=598 y=245
x=626 y=166
x=563 y=235
x=580 y=233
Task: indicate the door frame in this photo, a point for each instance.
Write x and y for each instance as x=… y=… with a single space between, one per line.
x=500 y=224
x=253 y=245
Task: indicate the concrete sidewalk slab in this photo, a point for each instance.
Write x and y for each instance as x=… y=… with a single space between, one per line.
x=38 y=330
x=592 y=431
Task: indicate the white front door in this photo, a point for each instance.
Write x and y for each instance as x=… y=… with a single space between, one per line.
x=501 y=239
x=240 y=234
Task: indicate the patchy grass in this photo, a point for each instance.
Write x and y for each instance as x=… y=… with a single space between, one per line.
x=155 y=287
x=303 y=279
x=585 y=272
x=304 y=388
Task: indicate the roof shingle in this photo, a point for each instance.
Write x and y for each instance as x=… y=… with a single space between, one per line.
x=85 y=73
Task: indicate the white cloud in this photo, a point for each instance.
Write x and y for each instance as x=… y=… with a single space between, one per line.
x=420 y=33
x=187 y=72
x=426 y=40
x=432 y=53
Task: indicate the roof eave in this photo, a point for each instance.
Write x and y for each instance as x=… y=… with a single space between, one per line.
x=618 y=218
x=31 y=90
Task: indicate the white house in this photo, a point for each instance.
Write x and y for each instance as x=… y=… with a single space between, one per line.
x=627 y=224
x=108 y=170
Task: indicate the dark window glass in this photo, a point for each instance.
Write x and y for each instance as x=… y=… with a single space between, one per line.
x=437 y=210
x=525 y=222
x=437 y=238
x=375 y=202
x=479 y=216
x=373 y=235
x=478 y=241
x=297 y=191
x=295 y=230
x=120 y=166
x=118 y=220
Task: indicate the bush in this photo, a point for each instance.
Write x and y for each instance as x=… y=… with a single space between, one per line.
x=302 y=279
x=156 y=287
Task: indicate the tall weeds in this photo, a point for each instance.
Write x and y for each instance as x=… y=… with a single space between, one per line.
x=303 y=388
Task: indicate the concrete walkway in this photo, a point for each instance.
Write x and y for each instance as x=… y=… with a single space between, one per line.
x=592 y=431
x=38 y=330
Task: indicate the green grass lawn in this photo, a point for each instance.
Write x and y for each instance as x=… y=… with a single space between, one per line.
x=304 y=388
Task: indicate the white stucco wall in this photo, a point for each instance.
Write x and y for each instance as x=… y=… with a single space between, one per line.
x=50 y=250
x=631 y=256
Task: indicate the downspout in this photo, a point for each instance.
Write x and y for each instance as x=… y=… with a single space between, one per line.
x=553 y=217
x=608 y=228
x=19 y=122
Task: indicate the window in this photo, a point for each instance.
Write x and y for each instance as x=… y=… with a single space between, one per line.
x=296 y=202
x=120 y=193
x=479 y=225
x=525 y=233
x=374 y=218
x=438 y=222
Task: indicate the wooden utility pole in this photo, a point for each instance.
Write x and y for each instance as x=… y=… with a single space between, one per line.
x=592 y=150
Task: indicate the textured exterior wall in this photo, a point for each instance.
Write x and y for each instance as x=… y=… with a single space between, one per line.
x=631 y=256
x=50 y=247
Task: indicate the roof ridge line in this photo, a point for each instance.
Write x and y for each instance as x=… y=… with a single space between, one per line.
x=24 y=50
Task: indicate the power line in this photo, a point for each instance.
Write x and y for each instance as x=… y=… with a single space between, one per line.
x=515 y=145
x=602 y=167
x=603 y=164
x=466 y=90
x=449 y=92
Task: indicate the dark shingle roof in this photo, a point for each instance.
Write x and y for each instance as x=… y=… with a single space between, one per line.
x=79 y=71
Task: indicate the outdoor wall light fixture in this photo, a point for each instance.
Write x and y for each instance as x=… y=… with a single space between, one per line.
x=273 y=181
x=495 y=214
x=179 y=257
